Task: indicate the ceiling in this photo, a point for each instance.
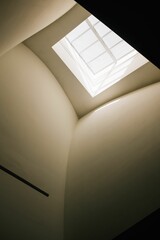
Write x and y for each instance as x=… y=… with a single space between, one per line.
x=48 y=21
x=41 y=44
x=39 y=24
x=135 y=23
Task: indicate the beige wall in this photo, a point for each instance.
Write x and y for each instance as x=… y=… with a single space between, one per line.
x=113 y=172
x=21 y=19
x=36 y=126
x=112 y=164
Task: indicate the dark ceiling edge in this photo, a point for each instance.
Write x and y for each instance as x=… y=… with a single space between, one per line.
x=147 y=228
x=136 y=24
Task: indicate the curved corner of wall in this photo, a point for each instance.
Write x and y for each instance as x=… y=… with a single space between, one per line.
x=21 y=19
x=113 y=172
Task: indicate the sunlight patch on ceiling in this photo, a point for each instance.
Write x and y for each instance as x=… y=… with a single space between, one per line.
x=97 y=56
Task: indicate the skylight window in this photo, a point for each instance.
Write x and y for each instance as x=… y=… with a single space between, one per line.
x=97 y=56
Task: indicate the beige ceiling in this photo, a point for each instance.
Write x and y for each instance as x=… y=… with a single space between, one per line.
x=39 y=24
x=41 y=43
x=21 y=19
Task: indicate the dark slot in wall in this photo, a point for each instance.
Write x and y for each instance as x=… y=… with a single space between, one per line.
x=24 y=181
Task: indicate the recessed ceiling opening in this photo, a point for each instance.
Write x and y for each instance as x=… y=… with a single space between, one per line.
x=97 y=56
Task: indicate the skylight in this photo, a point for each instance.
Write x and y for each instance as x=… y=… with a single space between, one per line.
x=97 y=56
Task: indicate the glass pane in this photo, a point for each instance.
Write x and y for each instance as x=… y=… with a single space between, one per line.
x=93 y=20
x=130 y=55
x=102 y=29
x=121 y=49
x=100 y=62
x=121 y=66
x=84 y=41
x=111 y=39
x=93 y=51
x=77 y=31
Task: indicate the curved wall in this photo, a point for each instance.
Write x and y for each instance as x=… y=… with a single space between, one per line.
x=20 y=19
x=113 y=171
x=36 y=126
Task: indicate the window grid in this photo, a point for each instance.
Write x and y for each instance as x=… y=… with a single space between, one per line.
x=120 y=56
x=102 y=42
